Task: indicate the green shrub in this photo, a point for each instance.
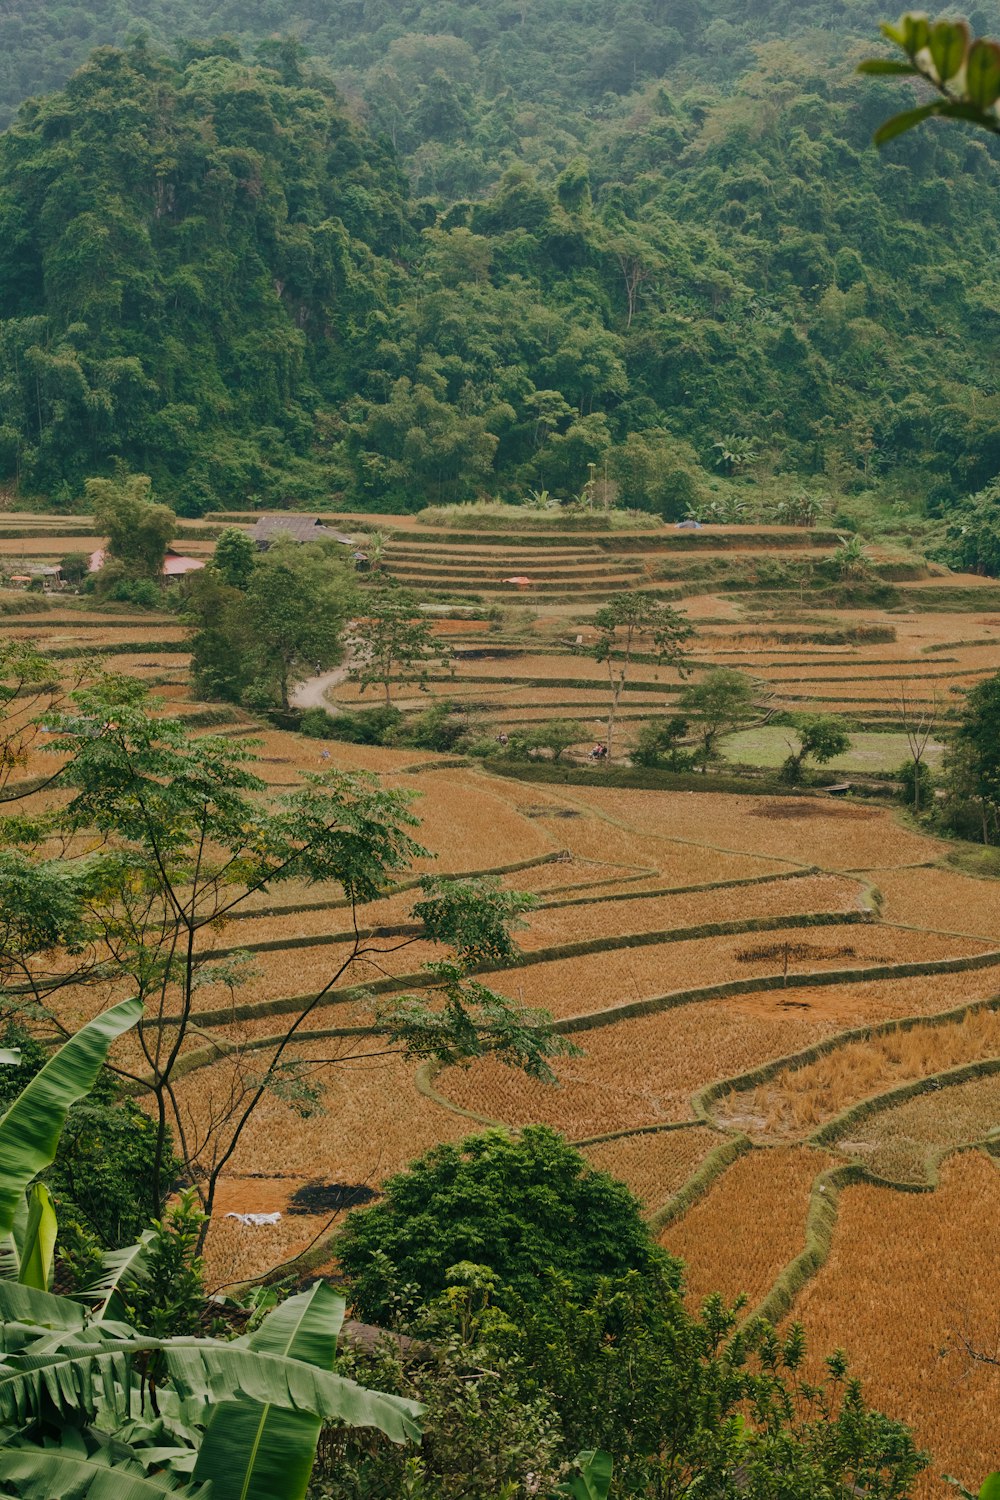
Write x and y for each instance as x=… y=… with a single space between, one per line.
x=363 y=726
x=442 y=726
x=916 y=784
x=521 y=1206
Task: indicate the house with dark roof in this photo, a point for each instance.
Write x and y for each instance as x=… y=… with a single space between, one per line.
x=296 y=528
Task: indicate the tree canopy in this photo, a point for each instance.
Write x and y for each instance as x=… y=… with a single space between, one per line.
x=647 y=243
x=512 y=1204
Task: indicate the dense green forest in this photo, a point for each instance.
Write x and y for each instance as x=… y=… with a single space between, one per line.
x=414 y=252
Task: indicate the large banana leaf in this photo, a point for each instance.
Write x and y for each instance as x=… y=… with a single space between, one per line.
x=47 y=1474
x=81 y=1373
x=29 y=1304
x=26 y=1313
x=252 y=1452
x=38 y=1249
x=30 y=1130
x=119 y=1268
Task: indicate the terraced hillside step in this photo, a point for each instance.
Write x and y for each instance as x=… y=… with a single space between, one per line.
x=556 y=592
x=432 y=550
x=720 y=538
x=570 y=573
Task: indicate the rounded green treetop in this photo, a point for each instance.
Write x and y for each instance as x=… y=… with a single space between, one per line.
x=521 y=1205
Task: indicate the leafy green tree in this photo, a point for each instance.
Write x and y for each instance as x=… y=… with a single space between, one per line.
x=393 y=641
x=253 y=643
x=978 y=750
x=220 y=637
x=293 y=616
x=557 y=735
x=819 y=737
x=687 y=1400
x=179 y=837
x=138 y=530
x=691 y=1400
x=516 y=1205
x=658 y=742
x=916 y=784
x=235 y=557
x=722 y=700
x=74 y=567
x=622 y=625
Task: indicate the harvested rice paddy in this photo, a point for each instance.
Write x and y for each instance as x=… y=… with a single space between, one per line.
x=814 y=925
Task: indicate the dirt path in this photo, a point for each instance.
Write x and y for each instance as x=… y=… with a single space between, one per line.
x=312 y=693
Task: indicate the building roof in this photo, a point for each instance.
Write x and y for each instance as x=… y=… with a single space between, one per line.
x=175 y=566
x=298 y=528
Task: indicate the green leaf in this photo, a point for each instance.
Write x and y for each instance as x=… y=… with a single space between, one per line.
x=982 y=73
x=119 y=1268
x=38 y=1251
x=26 y=1304
x=45 y=1474
x=72 y=1376
x=252 y=1452
x=949 y=42
x=886 y=65
x=956 y=109
x=594 y=1479
x=916 y=29
x=30 y=1130
x=991 y=1488
x=906 y=121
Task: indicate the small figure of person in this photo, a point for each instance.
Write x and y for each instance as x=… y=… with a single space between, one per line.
x=324 y=755
x=502 y=740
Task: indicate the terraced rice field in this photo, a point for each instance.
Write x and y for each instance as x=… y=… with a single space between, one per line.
x=729 y=966
x=905 y=1283
x=749 y=1225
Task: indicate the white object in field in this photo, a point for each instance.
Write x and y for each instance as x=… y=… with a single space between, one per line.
x=255 y=1218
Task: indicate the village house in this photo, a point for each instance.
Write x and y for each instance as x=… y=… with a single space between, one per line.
x=175 y=564
x=296 y=528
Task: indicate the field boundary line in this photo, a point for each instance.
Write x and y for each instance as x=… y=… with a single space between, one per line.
x=716 y=1163
x=528 y=958
x=664 y=1128
x=739 y=1083
x=875 y=1104
x=822 y=1215
x=423 y=1081
x=595 y=1020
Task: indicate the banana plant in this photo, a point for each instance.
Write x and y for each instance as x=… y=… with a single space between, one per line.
x=90 y=1408
x=29 y=1136
x=592 y=1480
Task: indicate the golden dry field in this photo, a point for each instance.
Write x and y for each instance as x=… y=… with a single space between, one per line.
x=768 y=991
x=749 y=1225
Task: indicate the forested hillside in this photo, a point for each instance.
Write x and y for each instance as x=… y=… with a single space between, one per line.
x=463 y=249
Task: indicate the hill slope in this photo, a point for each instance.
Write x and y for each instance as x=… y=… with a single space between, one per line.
x=654 y=240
